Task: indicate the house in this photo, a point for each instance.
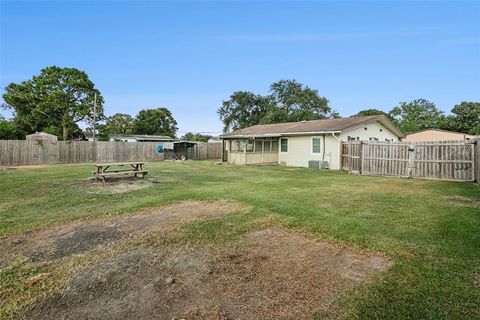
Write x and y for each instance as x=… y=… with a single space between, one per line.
x=140 y=138
x=437 y=135
x=297 y=143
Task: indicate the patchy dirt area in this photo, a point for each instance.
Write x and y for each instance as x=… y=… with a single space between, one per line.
x=77 y=237
x=119 y=184
x=464 y=201
x=268 y=274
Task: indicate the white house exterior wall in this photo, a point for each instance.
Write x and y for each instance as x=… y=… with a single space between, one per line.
x=300 y=147
x=300 y=151
x=373 y=130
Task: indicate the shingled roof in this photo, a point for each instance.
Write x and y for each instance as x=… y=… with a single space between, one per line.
x=310 y=127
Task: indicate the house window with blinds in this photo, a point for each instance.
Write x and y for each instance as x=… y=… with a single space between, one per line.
x=315 y=145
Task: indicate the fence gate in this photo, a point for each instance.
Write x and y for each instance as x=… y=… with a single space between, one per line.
x=385 y=159
x=445 y=160
x=453 y=160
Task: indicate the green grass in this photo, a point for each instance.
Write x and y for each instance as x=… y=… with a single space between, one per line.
x=433 y=238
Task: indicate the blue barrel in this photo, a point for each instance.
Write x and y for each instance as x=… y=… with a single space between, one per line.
x=159 y=148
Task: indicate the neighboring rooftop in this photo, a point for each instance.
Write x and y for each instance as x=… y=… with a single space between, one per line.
x=313 y=126
x=141 y=137
x=41 y=136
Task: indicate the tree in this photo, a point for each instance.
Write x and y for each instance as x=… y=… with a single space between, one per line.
x=288 y=100
x=58 y=98
x=8 y=130
x=296 y=102
x=417 y=115
x=465 y=118
x=158 y=121
x=189 y=136
x=243 y=109
x=370 y=112
x=119 y=123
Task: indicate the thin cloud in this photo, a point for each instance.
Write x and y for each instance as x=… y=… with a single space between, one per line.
x=317 y=37
x=462 y=41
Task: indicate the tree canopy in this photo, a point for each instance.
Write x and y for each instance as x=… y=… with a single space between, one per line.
x=465 y=118
x=288 y=100
x=56 y=100
x=119 y=123
x=158 y=121
x=370 y=112
x=8 y=130
x=417 y=115
x=189 y=136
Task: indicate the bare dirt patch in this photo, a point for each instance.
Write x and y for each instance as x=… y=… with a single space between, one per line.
x=119 y=184
x=78 y=237
x=268 y=274
x=464 y=201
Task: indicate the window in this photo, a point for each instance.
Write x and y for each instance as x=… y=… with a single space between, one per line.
x=266 y=146
x=315 y=145
x=283 y=145
x=258 y=145
x=274 y=146
x=249 y=145
x=381 y=129
x=373 y=139
x=365 y=128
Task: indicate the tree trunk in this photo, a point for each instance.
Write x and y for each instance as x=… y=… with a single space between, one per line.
x=65 y=133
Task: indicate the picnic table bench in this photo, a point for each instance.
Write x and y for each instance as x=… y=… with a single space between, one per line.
x=119 y=168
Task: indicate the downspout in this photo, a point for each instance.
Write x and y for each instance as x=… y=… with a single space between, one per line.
x=339 y=150
x=323 y=149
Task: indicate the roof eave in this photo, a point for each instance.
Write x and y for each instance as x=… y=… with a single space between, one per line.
x=277 y=135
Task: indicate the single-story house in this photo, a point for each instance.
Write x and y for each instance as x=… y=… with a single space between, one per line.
x=437 y=135
x=165 y=140
x=298 y=143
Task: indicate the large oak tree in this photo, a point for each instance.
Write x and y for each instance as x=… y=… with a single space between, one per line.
x=287 y=101
x=57 y=99
x=158 y=121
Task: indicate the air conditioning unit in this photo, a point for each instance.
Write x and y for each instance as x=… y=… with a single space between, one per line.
x=317 y=164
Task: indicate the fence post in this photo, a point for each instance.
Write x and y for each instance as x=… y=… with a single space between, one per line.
x=360 y=158
x=476 y=162
x=411 y=160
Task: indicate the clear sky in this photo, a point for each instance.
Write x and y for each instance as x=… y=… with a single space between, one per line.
x=189 y=56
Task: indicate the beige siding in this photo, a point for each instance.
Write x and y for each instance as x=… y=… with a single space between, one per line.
x=436 y=135
x=300 y=147
x=300 y=151
x=373 y=131
x=252 y=157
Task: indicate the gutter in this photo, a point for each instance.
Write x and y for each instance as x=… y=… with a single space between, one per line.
x=286 y=134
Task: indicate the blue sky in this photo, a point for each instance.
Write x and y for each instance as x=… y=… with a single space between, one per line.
x=189 y=56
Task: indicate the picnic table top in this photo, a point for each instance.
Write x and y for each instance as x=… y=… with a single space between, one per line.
x=118 y=163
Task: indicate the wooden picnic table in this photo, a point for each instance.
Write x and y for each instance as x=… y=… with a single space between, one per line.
x=119 y=168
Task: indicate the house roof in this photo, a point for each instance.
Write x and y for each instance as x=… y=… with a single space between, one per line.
x=310 y=127
x=141 y=137
x=43 y=134
x=441 y=130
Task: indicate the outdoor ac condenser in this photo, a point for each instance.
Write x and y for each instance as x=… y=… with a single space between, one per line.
x=318 y=164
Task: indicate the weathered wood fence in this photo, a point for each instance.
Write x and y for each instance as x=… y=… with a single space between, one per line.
x=444 y=160
x=21 y=152
x=208 y=150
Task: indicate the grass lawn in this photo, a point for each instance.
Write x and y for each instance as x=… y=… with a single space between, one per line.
x=430 y=229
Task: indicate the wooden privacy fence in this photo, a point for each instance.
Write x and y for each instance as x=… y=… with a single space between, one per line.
x=444 y=160
x=208 y=150
x=18 y=152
